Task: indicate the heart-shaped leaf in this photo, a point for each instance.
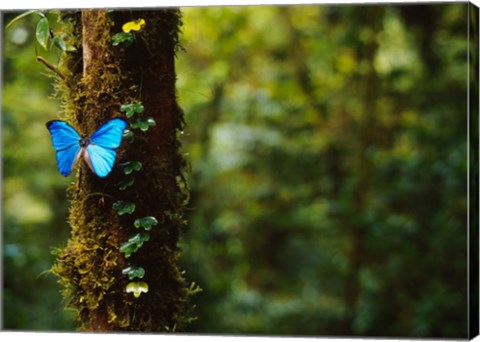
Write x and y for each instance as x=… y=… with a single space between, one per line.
x=128 y=135
x=131 y=109
x=134 y=243
x=125 y=183
x=134 y=272
x=143 y=123
x=130 y=166
x=125 y=38
x=43 y=32
x=137 y=288
x=123 y=207
x=146 y=222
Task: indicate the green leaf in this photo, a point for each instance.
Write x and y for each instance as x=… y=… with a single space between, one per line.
x=143 y=123
x=122 y=38
x=134 y=243
x=134 y=272
x=59 y=43
x=43 y=32
x=23 y=15
x=131 y=109
x=146 y=222
x=137 y=288
x=70 y=48
x=128 y=248
x=130 y=166
x=128 y=136
x=125 y=183
x=151 y=122
x=123 y=207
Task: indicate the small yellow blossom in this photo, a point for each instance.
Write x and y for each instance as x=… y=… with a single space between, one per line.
x=135 y=25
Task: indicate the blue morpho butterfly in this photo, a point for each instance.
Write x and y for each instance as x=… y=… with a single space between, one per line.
x=98 y=150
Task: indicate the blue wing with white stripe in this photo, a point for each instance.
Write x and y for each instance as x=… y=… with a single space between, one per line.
x=100 y=159
x=100 y=153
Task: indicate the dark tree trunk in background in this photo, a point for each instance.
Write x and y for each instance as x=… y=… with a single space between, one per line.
x=101 y=77
x=368 y=137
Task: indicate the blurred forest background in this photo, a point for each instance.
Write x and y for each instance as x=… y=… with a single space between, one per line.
x=328 y=171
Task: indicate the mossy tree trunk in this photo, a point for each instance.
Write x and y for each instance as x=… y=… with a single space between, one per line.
x=100 y=78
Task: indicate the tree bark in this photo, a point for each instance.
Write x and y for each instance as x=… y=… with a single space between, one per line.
x=90 y=266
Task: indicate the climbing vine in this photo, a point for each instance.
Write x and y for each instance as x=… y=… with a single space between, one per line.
x=135 y=241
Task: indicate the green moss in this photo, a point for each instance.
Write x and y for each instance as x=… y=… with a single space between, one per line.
x=90 y=267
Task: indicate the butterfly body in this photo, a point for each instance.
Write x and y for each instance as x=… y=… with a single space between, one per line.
x=98 y=150
x=84 y=142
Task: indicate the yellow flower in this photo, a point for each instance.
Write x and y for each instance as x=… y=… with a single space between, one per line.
x=135 y=25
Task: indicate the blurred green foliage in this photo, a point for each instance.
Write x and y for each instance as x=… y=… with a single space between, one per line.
x=328 y=153
x=34 y=207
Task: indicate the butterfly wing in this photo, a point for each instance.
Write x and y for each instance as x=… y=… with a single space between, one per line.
x=67 y=158
x=100 y=153
x=110 y=134
x=100 y=159
x=65 y=141
x=63 y=135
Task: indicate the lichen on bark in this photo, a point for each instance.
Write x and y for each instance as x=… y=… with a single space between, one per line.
x=101 y=77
